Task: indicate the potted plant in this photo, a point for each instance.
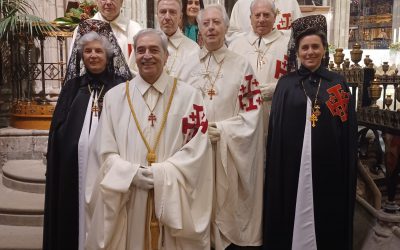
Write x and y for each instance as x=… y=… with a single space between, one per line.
x=73 y=16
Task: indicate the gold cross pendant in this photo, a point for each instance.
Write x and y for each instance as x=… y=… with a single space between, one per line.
x=314 y=115
x=211 y=92
x=313 y=118
x=152 y=118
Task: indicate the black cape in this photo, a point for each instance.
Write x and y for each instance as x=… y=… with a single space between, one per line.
x=333 y=163
x=61 y=215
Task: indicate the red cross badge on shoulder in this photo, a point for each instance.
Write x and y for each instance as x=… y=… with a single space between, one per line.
x=286 y=22
x=338 y=101
x=281 y=67
x=196 y=121
x=249 y=94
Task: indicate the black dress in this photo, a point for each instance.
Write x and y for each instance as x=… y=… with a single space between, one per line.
x=61 y=218
x=333 y=148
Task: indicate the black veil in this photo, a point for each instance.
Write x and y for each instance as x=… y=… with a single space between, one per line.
x=117 y=64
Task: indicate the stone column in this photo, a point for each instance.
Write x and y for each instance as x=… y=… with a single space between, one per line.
x=396 y=21
x=222 y=2
x=341 y=18
x=135 y=10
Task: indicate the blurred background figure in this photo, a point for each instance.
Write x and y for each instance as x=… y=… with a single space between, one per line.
x=266 y=49
x=190 y=10
x=287 y=12
x=124 y=29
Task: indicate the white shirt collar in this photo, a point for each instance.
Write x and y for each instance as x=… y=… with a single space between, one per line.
x=253 y=38
x=218 y=54
x=160 y=85
x=121 y=21
x=176 y=39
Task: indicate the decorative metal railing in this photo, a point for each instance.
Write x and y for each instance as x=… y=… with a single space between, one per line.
x=378 y=117
x=28 y=74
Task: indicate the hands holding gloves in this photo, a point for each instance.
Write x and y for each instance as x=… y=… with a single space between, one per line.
x=144 y=178
x=214 y=133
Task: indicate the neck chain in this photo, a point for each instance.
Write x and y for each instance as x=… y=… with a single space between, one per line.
x=211 y=90
x=315 y=110
x=260 y=54
x=95 y=103
x=152 y=224
x=152 y=118
x=151 y=155
x=169 y=69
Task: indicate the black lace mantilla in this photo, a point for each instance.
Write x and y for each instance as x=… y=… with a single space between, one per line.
x=118 y=63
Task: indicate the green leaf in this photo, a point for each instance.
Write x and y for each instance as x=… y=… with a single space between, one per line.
x=18 y=19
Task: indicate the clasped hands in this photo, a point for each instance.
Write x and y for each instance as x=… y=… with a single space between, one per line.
x=214 y=133
x=144 y=178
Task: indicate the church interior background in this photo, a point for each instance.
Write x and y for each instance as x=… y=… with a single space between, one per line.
x=364 y=45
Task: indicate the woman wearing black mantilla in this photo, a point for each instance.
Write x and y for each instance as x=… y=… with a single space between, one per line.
x=310 y=174
x=95 y=66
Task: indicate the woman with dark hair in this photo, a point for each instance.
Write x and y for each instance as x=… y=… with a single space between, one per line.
x=310 y=174
x=190 y=10
x=96 y=65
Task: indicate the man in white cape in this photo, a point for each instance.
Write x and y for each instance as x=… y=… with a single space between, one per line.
x=233 y=106
x=180 y=48
x=265 y=47
x=155 y=143
x=287 y=12
x=124 y=29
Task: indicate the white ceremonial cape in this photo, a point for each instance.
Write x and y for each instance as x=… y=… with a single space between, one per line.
x=180 y=49
x=182 y=175
x=273 y=49
x=238 y=162
x=124 y=30
x=288 y=11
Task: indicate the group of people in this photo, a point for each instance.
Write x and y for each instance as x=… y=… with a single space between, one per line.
x=159 y=143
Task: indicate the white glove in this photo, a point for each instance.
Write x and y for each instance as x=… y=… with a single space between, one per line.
x=213 y=132
x=267 y=91
x=143 y=178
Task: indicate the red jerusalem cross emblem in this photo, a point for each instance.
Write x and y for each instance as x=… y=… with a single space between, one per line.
x=253 y=95
x=195 y=122
x=286 y=22
x=281 y=67
x=338 y=101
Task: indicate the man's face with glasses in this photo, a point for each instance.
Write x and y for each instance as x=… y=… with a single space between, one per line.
x=109 y=9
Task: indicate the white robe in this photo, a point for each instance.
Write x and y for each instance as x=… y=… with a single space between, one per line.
x=124 y=30
x=273 y=48
x=182 y=173
x=238 y=162
x=289 y=10
x=181 y=50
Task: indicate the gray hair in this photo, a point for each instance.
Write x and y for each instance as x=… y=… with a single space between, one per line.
x=178 y=1
x=163 y=37
x=218 y=7
x=94 y=36
x=271 y=3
